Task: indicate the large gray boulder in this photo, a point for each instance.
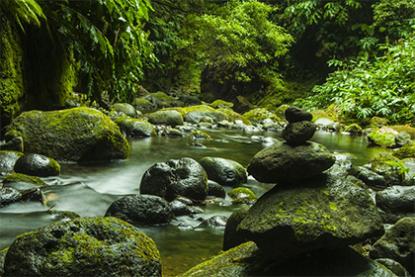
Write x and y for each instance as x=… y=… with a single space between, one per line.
x=141 y=209
x=398 y=199
x=398 y=243
x=329 y=213
x=224 y=171
x=284 y=163
x=183 y=177
x=84 y=247
x=79 y=134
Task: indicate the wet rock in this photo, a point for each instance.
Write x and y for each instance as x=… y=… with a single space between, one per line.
x=384 y=137
x=135 y=128
x=390 y=167
x=298 y=133
x=242 y=195
x=330 y=213
x=216 y=222
x=13 y=144
x=354 y=129
x=394 y=266
x=10 y=195
x=282 y=162
x=79 y=134
x=183 y=177
x=37 y=165
x=368 y=176
x=258 y=115
x=215 y=189
x=124 y=108
x=403 y=138
x=225 y=172
x=8 y=160
x=247 y=260
x=327 y=124
x=84 y=247
x=22 y=178
x=173 y=132
x=3 y=253
x=168 y=117
x=196 y=114
x=398 y=243
x=141 y=209
x=398 y=199
x=232 y=237
x=294 y=114
x=179 y=208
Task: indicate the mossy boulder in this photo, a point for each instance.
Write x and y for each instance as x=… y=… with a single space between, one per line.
x=298 y=133
x=166 y=117
x=124 y=108
x=354 y=129
x=224 y=171
x=242 y=195
x=3 y=253
x=144 y=105
x=135 y=128
x=404 y=128
x=219 y=103
x=398 y=243
x=384 y=137
x=369 y=177
x=247 y=260
x=394 y=266
x=406 y=151
x=197 y=113
x=8 y=160
x=79 y=134
x=19 y=187
x=258 y=115
x=282 y=162
x=84 y=247
x=37 y=165
x=23 y=178
x=232 y=237
x=397 y=199
x=391 y=168
x=329 y=213
x=154 y=101
x=141 y=209
x=182 y=177
x=233 y=116
x=378 y=122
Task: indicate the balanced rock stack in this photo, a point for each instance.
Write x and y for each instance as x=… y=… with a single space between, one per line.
x=297 y=158
x=315 y=210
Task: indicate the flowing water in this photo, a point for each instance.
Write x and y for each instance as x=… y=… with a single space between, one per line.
x=89 y=190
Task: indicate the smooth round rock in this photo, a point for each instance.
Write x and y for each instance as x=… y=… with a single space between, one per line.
x=124 y=108
x=294 y=114
x=400 y=199
x=284 y=163
x=224 y=171
x=84 y=247
x=168 y=117
x=183 y=177
x=141 y=209
x=216 y=222
x=298 y=132
x=37 y=165
x=215 y=189
x=242 y=195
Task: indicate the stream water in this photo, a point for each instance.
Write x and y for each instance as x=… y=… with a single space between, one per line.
x=89 y=190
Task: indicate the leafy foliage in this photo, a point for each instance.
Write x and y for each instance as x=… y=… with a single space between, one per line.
x=22 y=12
x=365 y=88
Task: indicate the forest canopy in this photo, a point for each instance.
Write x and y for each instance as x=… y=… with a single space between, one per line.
x=355 y=54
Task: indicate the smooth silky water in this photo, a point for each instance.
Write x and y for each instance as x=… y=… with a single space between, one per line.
x=88 y=190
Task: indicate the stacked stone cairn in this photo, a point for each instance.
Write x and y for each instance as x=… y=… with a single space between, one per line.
x=307 y=222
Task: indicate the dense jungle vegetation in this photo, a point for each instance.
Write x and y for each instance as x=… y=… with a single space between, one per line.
x=354 y=56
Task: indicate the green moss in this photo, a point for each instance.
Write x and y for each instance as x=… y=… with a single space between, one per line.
x=231 y=115
x=11 y=73
x=378 y=122
x=406 y=151
x=387 y=159
x=18 y=177
x=201 y=134
x=259 y=114
x=196 y=108
x=404 y=128
x=242 y=195
x=219 y=103
x=382 y=137
x=354 y=129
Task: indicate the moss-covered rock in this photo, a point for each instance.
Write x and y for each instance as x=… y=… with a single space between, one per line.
x=135 y=128
x=378 y=122
x=282 y=162
x=405 y=128
x=84 y=247
x=224 y=171
x=398 y=243
x=8 y=160
x=3 y=253
x=79 y=134
x=247 y=260
x=195 y=114
x=37 y=165
x=166 y=117
x=124 y=108
x=384 y=137
x=232 y=237
x=354 y=129
x=297 y=133
x=154 y=101
x=258 y=115
x=390 y=167
x=22 y=178
x=329 y=213
x=406 y=151
x=232 y=116
x=215 y=189
x=242 y=195
x=219 y=103
x=144 y=105
x=397 y=199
